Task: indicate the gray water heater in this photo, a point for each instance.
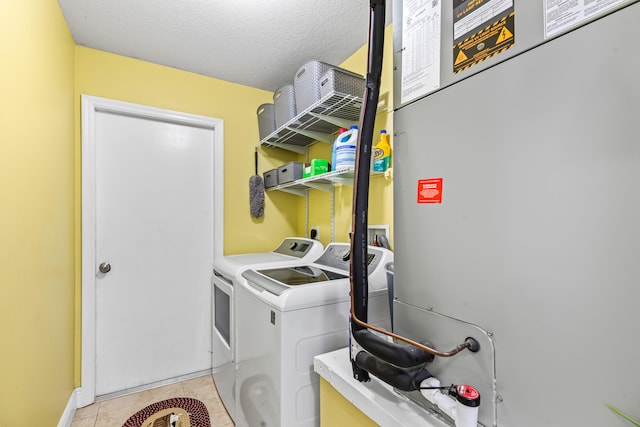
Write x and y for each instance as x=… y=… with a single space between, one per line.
x=517 y=202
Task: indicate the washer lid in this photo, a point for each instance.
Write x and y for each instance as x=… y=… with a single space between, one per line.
x=279 y=280
x=301 y=275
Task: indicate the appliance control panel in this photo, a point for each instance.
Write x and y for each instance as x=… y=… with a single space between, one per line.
x=296 y=246
x=338 y=255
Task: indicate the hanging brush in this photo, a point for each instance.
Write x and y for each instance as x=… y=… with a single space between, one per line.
x=256 y=192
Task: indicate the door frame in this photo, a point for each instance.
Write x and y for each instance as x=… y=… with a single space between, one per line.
x=92 y=105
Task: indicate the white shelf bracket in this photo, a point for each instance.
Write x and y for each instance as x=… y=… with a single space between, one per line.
x=319 y=186
x=316 y=136
x=296 y=191
x=343 y=123
x=295 y=148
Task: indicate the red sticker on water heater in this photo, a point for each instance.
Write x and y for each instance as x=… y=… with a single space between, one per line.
x=430 y=190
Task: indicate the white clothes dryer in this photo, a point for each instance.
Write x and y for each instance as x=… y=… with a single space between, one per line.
x=226 y=271
x=286 y=316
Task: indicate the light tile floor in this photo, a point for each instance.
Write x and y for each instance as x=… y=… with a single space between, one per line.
x=114 y=412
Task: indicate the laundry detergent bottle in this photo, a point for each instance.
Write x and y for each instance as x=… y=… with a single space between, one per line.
x=333 y=150
x=382 y=153
x=345 y=148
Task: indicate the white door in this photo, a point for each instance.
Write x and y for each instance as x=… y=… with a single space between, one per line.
x=154 y=233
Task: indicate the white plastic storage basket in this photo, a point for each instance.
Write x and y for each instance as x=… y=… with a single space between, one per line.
x=307 y=83
x=266 y=120
x=342 y=81
x=284 y=102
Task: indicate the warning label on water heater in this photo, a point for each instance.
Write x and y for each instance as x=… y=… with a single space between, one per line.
x=481 y=29
x=430 y=190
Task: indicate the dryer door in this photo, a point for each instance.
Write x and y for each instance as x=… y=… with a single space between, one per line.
x=223 y=341
x=223 y=321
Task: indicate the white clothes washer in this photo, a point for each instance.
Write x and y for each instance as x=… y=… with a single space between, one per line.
x=226 y=271
x=286 y=316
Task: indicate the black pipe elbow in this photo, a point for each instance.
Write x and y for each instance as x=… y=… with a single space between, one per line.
x=400 y=355
x=405 y=379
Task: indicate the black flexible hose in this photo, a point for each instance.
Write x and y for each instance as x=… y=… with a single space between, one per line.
x=358 y=263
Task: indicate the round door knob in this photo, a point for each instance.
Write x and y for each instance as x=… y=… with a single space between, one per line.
x=105 y=267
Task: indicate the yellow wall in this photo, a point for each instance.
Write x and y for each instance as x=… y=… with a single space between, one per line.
x=381 y=187
x=36 y=214
x=337 y=411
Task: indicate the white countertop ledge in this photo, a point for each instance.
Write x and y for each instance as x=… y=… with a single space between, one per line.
x=375 y=399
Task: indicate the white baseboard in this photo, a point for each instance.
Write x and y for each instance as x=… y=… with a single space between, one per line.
x=69 y=411
x=84 y=397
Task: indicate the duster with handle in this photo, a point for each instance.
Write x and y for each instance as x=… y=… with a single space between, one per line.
x=256 y=192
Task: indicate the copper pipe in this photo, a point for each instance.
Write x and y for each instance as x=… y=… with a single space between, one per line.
x=433 y=351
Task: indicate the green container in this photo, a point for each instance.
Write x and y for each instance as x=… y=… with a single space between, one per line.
x=316 y=167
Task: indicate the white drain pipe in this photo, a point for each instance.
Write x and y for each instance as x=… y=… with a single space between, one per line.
x=463 y=408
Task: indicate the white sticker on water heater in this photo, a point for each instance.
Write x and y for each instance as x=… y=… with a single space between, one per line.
x=420 y=48
x=560 y=15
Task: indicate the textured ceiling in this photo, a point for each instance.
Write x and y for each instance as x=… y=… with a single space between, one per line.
x=251 y=42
